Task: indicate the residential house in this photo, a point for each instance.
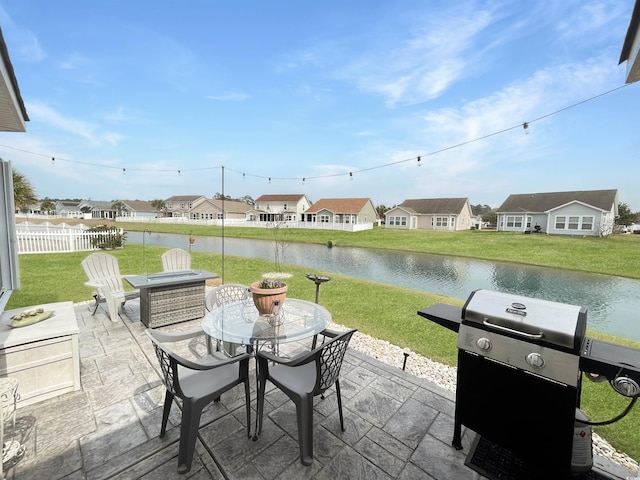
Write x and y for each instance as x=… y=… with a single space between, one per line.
x=13 y=117
x=450 y=214
x=590 y=212
x=181 y=205
x=99 y=209
x=138 y=209
x=346 y=211
x=69 y=209
x=213 y=210
x=270 y=208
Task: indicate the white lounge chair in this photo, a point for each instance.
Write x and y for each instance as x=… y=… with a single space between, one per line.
x=176 y=260
x=103 y=272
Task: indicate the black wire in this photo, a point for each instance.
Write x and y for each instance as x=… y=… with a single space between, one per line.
x=614 y=419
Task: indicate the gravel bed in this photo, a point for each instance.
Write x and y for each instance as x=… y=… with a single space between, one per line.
x=445 y=377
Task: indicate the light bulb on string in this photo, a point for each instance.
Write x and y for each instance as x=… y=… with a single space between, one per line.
x=419 y=164
x=124 y=171
x=179 y=172
x=351 y=176
x=303 y=180
x=269 y=180
x=244 y=176
x=525 y=126
x=53 y=160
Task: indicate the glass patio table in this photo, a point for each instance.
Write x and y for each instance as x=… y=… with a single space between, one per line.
x=240 y=323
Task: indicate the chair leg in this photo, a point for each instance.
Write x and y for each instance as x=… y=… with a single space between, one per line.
x=304 y=412
x=168 y=400
x=247 y=397
x=188 y=432
x=337 y=384
x=97 y=299
x=261 y=388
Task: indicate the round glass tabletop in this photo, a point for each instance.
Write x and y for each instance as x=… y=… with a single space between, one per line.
x=240 y=322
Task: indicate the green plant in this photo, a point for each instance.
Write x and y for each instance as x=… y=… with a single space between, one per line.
x=271 y=283
x=108 y=238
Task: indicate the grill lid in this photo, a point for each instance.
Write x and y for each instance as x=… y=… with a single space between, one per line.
x=537 y=320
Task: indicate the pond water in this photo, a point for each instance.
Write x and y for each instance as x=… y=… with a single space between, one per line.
x=612 y=302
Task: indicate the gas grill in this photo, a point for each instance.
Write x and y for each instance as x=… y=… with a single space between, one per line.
x=520 y=365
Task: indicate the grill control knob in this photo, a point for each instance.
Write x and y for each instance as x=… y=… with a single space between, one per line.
x=626 y=386
x=535 y=360
x=484 y=344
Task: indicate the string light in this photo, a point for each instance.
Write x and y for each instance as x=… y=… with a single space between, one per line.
x=303 y=179
x=524 y=126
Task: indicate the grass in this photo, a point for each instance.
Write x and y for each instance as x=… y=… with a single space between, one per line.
x=378 y=310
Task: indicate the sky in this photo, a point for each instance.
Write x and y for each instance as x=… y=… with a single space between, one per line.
x=143 y=100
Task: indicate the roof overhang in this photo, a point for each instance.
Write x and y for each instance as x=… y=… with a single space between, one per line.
x=13 y=114
x=631 y=47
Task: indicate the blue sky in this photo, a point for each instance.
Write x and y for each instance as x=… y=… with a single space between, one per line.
x=143 y=100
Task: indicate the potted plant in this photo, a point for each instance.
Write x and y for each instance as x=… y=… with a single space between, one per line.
x=268 y=291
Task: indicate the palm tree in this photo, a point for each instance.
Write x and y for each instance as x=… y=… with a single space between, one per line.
x=47 y=206
x=160 y=207
x=23 y=193
x=119 y=207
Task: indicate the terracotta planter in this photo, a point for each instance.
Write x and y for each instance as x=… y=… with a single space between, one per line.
x=263 y=298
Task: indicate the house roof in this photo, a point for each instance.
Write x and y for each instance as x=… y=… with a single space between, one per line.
x=13 y=114
x=293 y=197
x=632 y=31
x=139 y=205
x=432 y=206
x=339 y=205
x=543 y=202
x=184 y=198
x=231 y=206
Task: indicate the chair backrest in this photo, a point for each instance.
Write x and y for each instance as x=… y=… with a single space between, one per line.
x=329 y=360
x=226 y=293
x=167 y=364
x=176 y=260
x=103 y=268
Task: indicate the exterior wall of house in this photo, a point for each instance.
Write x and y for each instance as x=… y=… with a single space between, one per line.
x=579 y=219
x=275 y=208
x=368 y=214
x=399 y=219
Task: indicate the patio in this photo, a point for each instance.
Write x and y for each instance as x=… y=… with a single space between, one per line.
x=397 y=425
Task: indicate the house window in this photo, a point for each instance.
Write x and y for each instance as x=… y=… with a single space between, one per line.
x=324 y=218
x=587 y=223
x=182 y=205
x=442 y=221
x=284 y=207
x=169 y=205
x=219 y=215
x=528 y=222
x=560 y=222
x=398 y=221
x=574 y=223
x=514 y=222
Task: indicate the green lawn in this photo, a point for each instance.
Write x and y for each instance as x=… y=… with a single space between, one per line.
x=378 y=310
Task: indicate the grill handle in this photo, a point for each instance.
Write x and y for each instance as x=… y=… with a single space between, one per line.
x=535 y=336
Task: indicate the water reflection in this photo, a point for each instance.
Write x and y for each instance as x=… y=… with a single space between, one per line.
x=612 y=302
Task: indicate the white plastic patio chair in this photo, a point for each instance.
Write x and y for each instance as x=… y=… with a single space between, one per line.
x=103 y=272
x=176 y=260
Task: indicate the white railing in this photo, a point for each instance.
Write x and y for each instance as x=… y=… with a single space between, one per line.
x=60 y=240
x=236 y=222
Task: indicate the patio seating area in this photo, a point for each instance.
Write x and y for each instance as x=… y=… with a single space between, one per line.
x=396 y=425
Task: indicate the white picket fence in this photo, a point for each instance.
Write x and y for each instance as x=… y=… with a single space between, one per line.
x=54 y=239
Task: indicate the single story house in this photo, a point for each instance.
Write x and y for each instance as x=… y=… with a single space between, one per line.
x=68 y=209
x=279 y=207
x=590 y=212
x=449 y=214
x=138 y=209
x=213 y=210
x=342 y=210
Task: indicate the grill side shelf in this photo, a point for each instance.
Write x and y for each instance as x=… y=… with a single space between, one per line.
x=444 y=315
x=609 y=359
